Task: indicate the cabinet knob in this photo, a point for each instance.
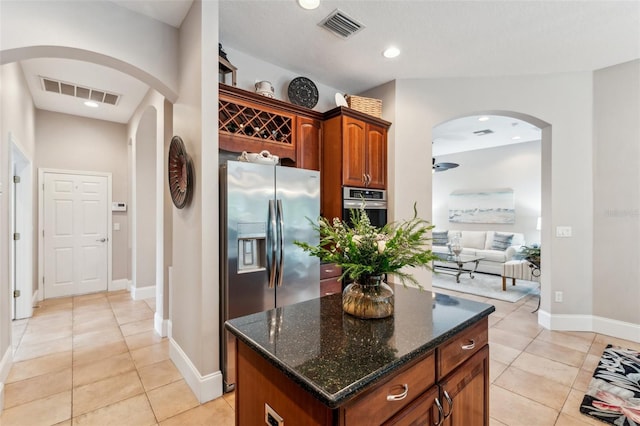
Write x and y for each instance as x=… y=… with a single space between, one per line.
x=399 y=396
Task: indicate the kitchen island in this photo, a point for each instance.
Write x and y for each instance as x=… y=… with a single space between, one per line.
x=312 y=364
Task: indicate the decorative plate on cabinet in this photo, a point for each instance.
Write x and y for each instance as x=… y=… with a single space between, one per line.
x=303 y=92
x=180 y=173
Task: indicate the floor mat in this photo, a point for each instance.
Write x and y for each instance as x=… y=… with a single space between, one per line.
x=614 y=392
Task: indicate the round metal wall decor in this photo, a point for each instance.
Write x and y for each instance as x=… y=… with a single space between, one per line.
x=180 y=173
x=303 y=92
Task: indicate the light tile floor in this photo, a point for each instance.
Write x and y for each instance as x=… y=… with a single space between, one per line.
x=95 y=360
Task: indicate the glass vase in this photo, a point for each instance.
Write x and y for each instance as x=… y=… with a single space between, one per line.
x=368 y=297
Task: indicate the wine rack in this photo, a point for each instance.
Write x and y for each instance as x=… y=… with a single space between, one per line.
x=254 y=123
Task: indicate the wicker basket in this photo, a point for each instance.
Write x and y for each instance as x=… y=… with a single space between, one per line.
x=367 y=105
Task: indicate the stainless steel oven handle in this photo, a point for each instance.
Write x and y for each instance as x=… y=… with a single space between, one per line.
x=368 y=204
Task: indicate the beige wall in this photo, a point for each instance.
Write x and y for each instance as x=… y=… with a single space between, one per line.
x=562 y=100
x=94 y=31
x=17 y=116
x=513 y=166
x=144 y=210
x=69 y=142
x=195 y=287
x=616 y=208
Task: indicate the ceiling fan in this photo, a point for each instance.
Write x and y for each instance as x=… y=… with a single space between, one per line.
x=441 y=167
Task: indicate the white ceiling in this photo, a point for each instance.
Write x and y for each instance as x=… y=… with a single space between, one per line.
x=438 y=39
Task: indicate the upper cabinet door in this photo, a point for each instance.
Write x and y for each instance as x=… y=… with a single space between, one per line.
x=308 y=143
x=354 y=152
x=376 y=157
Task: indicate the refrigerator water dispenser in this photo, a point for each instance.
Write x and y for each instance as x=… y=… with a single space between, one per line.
x=252 y=239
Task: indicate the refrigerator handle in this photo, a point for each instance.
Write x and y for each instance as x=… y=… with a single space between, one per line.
x=281 y=237
x=272 y=244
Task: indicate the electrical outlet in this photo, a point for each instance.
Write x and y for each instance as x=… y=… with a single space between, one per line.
x=563 y=231
x=558 y=296
x=271 y=418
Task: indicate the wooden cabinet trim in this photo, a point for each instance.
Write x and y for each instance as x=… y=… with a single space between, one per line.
x=349 y=112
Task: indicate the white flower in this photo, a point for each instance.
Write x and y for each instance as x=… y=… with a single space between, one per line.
x=382 y=245
x=357 y=239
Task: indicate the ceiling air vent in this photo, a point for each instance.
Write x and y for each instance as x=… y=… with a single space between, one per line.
x=341 y=25
x=483 y=132
x=70 y=89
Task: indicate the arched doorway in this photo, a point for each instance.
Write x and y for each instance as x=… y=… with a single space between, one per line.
x=153 y=82
x=495 y=150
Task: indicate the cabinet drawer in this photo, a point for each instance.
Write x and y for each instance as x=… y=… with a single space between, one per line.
x=330 y=286
x=461 y=347
x=329 y=270
x=374 y=408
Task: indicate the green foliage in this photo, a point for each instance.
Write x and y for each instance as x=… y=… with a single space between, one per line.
x=364 y=249
x=531 y=254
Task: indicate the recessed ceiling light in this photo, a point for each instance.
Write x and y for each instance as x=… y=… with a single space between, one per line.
x=309 y=4
x=91 y=104
x=483 y=118
x=391 y=52
x=515 y=138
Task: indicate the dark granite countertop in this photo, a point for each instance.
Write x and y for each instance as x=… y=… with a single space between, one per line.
x=335 y=356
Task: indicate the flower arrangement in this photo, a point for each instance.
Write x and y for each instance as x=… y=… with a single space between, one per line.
x=363 y=250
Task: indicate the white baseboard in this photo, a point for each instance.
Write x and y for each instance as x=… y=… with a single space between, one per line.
x=169 y=329
x=35 y=298
x=5 y=367
x=544 y=319
x=116 y=285
x=205 y=388
x=607 y=326
x=160 y=325
x=139 y=293
x=620 y=329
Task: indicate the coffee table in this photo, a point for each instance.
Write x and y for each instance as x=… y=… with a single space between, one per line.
x=455 y=264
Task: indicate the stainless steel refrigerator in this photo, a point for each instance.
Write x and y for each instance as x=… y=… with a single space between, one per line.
x=263 y=210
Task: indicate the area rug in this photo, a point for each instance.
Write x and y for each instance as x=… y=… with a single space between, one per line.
x=614 y=392
x=486 y=285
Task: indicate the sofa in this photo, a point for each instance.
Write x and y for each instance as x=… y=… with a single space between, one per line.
x=495 y=247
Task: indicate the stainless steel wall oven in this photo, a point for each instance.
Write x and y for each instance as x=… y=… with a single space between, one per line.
x=375 y=204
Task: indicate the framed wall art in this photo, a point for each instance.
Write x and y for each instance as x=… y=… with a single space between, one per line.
x=482 y=206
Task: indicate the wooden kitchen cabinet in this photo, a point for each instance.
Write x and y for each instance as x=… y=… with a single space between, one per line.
x=448 y=386
x=364 y=154
x=329 y=279
x=353 y=153
x=468 y=390
x=309 y=138
x=251 y=122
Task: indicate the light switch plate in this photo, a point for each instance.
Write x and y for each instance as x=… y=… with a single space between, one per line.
x=563 y=231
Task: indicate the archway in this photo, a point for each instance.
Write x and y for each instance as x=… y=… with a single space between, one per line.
x=529 y=162
x=13 y=55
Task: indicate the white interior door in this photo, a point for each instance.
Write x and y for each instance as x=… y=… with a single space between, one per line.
x=75 y=234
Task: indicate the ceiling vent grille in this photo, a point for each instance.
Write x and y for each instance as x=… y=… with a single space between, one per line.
x=341 y=25
x=70 y=89
x=483 y=132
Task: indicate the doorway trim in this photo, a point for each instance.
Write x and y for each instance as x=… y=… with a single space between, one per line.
x=41 y=173
x=21 y=261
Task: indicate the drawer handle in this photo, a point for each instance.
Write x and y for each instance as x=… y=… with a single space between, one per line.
x=450 y=402
x=471 y=345
x=400 y=396
x=440 y=413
